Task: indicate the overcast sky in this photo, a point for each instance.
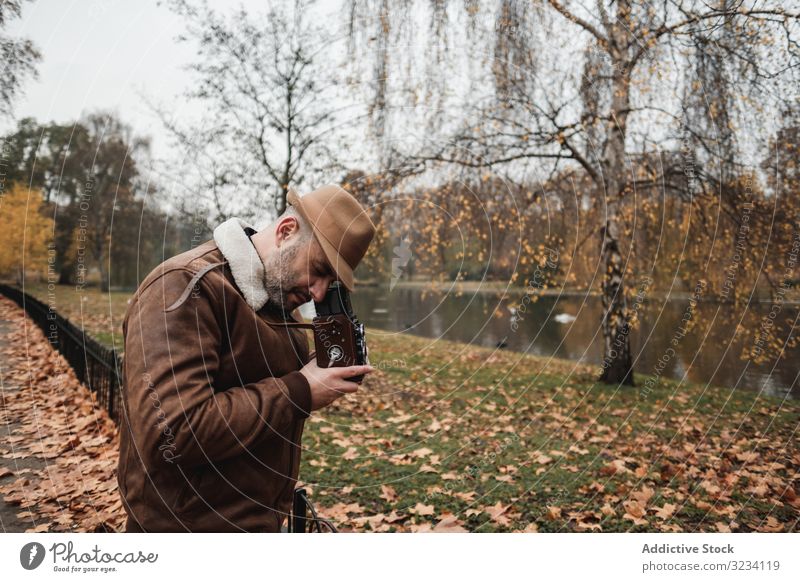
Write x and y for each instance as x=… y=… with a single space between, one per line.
x=104 y=54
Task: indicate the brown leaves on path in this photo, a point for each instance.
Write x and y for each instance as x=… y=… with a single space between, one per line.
x=58 y=443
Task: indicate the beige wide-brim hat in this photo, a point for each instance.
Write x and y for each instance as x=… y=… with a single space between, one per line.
x=339 y=223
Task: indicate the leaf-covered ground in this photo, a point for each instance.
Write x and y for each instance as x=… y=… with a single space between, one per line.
x=451 y=437
x=448 y=437
x=58 y=449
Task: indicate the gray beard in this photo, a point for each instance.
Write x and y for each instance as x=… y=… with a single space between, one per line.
x=278 y=277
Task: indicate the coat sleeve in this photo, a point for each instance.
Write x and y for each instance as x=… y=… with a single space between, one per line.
x=170 y=361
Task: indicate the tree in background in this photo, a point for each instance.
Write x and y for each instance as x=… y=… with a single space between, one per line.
x=50 y=158
x=25 y=233
x=269 y=118
x=108 y=194
x=106 y=214
x=612 y=121
x=18 y=58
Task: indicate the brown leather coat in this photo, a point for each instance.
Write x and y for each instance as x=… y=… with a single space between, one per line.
x=214 y=405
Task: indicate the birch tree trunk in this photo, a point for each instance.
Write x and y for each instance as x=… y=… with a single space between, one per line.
x=617 y=362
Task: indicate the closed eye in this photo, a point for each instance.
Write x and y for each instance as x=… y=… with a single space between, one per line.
x=323 y=270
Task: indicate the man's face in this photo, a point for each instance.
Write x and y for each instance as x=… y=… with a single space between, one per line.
x=297 y=271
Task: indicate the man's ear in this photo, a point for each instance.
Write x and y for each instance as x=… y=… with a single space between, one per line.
x=285 y=229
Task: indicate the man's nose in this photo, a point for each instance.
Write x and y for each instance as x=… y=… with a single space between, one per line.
x=319 y=289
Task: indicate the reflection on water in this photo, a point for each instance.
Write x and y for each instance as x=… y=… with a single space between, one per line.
x=569 y=327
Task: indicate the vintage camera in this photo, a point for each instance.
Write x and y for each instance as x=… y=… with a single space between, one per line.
x=338 y=336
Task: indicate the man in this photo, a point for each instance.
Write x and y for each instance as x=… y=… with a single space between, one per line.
x=215 y=397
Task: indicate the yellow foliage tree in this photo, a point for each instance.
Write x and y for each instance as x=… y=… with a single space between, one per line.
x=24 y=233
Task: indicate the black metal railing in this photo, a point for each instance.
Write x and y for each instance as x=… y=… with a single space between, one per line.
x=96 y=366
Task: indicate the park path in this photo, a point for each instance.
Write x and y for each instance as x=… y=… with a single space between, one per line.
x=58 y=449
x=10 y=520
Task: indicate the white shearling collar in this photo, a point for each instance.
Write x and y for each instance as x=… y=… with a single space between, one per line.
x=245 y=264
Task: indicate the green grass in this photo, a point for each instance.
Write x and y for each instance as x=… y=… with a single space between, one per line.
x=553 y=429
x=100 y=314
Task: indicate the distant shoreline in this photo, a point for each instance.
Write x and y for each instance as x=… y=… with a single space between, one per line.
x=500 y=288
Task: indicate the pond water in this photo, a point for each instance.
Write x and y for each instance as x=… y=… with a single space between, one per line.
x=569 y=327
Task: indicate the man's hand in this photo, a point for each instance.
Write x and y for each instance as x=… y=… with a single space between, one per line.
x=328 y=384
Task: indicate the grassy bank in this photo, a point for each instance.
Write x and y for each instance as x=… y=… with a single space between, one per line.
x=502 y=441
x=100 y=314
x=450 y=436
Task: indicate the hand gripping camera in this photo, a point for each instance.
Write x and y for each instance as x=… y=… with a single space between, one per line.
x=339 y=339
x=338 y=336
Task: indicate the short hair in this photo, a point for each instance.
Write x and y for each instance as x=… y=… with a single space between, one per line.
x=304 y=228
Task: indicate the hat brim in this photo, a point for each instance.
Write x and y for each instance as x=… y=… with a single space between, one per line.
x=337 y=262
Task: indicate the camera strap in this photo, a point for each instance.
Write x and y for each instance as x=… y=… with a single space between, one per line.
x=302 y=325
x=291 y=324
